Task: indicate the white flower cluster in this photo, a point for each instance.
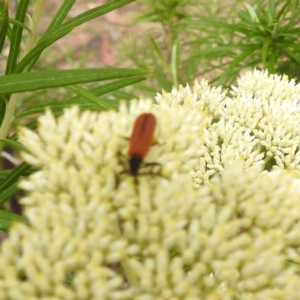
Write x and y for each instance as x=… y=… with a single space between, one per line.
x=224 y=241
x=97 y=233
x=258 y=122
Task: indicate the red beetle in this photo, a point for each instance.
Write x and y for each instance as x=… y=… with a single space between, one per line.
x=140 y=141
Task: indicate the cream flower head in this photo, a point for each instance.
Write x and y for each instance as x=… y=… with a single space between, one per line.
x=81 y=181
x=258 y=121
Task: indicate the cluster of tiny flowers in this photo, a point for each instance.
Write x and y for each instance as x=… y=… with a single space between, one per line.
x=74 y=247
x=257 y=121
x=226 y=240
x=98 y=233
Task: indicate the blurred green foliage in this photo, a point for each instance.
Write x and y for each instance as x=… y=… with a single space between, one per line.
x=215 y=39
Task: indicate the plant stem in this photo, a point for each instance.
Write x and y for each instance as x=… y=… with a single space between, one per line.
x=33 y=34
x=174 y=73
x=11 y=107
x=15 y=100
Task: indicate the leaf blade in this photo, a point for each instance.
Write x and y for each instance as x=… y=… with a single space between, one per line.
x=7 y=218
x=31 y=81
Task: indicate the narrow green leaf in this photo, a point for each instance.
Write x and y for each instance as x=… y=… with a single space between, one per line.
x=7 y=194
x=159 y=53
x=285 y=7
x=67 y=27
x=88 y=96
x=16 y=37
x=15 y=174
x=225 y=76
x=42 y=44
x=59 y=106
x=5 y=173
x=60 y=15
x=17 y=23
x=200 y=24
x=265 y=50
x=7 y=218
x=226 y=49
x=96 y=12
x=31 y=81
x=2 y=108
x=55 y=23
x=291 y=54
x=4 y=225
x=4 y=25
x=147 y=89
x=289 y=32
x=174 y=64
x=252 y=13
x=272 y=59
x=271 y=9
x=123 y=96
x=293 y=46
x=159 y=73
x=116 y=85
x=13 y=144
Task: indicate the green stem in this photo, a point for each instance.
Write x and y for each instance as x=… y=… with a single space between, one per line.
x=15 y=100
x=174 y=69
x=11 y=107
x=38 y=10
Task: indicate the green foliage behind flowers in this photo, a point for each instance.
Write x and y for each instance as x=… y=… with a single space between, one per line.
x=22 y=39
x=217 y=39
x=264 y=34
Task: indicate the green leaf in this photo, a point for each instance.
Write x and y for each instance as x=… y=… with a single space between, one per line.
x=15 y=174
x=113 y=86
x=200 y=24
x=265 y=50
x=159 y=71
x=123 y=96
x=4 y=25
x=5 y=173
x=17 y=23
x=291 y=54
x=159 y=53
x=272 y=9
x=16 y=37
x=96 y=12
x=272 y=59
x=285 y=7
x=60 y=15
x=89 y=96
x=2 y=108
x=31 y=81
x=13 y=144
x=59 y=106
x=7 y=194
x=67 y=27
x=251 y=12
x=55 y=24
x=7 y=218
x=174 y=66
x=42 y=44
x=226 y=74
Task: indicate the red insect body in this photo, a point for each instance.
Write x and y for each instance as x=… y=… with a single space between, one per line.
x=140 y=140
